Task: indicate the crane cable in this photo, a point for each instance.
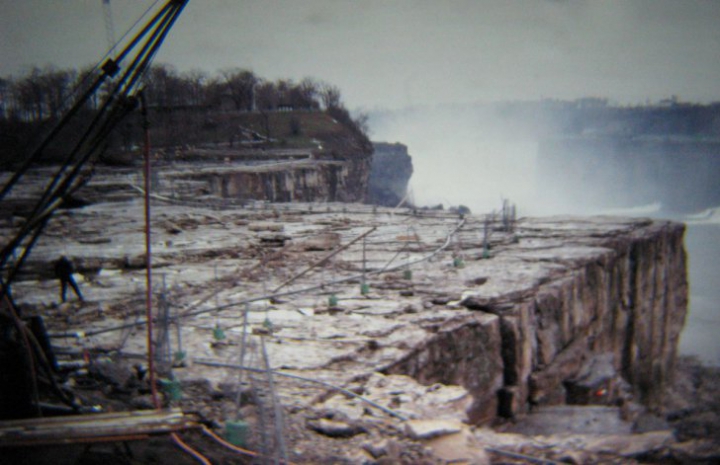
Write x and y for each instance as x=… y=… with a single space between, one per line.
x=119 y=103
x=109 y=69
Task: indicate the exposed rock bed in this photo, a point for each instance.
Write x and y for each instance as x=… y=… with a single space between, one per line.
x=419 y=318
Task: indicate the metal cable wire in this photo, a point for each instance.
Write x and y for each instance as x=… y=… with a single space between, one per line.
x=65 y=182
x=110 y=68
x=275 y=295
x=347 y=392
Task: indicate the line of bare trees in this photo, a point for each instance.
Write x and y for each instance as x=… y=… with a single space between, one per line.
x=183 y=105
x=39 y=94
x=36 y=96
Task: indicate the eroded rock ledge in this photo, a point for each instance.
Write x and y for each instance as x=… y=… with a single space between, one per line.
x=556 y=310
x=617 y=298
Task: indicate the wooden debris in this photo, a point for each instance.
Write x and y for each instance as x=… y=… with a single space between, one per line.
x=93 y=427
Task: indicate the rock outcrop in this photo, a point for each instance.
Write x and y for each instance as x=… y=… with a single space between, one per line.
x=617 y=299
x=337 y=172
x=389 y=175
x=298 y=181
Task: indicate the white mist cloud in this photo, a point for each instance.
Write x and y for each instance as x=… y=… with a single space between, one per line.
x=463 y=155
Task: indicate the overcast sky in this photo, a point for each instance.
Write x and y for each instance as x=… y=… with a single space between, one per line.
x=395 y=53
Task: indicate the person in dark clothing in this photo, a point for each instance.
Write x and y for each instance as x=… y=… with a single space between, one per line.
x=64 y=270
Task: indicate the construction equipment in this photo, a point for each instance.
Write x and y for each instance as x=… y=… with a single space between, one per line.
x=121 y=79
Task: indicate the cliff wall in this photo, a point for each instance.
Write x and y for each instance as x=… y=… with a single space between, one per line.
x=309 y=181
x=335 y=169
x=604 y=315
x=390 y=173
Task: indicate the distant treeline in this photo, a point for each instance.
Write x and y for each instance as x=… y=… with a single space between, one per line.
x=34 y=100
x=41 y=92
x=598 y=117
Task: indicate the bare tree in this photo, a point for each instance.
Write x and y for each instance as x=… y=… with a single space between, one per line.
x=57 y=86
x=5 y=98
x=361 y=122
x=266 y=96
x=330 y=96
x=283 y=88
x=165 y=88
x=31 y=96
x=195 y=82
x=240 y=85
x=305 y=95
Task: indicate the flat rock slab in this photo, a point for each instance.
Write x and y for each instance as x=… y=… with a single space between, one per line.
x=427 y=429
x=460 y=448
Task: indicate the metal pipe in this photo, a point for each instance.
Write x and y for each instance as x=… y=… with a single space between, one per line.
x=243 y=345
x=148 y=258
x=528 y=458
x=277 y=408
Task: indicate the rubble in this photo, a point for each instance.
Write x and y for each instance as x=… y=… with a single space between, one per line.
x=335 y=428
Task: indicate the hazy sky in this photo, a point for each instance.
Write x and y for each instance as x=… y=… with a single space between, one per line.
x=394 y=53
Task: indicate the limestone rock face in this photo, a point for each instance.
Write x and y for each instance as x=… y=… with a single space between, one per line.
x=464 y=351
x=304 y=181
x=624 y=307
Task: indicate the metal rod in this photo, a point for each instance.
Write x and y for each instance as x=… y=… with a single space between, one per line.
x=364 y=261
x=528 y=458
x=277 y=408
x=324 y=259
x=178 y=329
x=243 y=345
x=148 y=258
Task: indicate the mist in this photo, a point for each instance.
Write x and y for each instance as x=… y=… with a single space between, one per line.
x=463 y=155
x=478 y=155
x=554 y=157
